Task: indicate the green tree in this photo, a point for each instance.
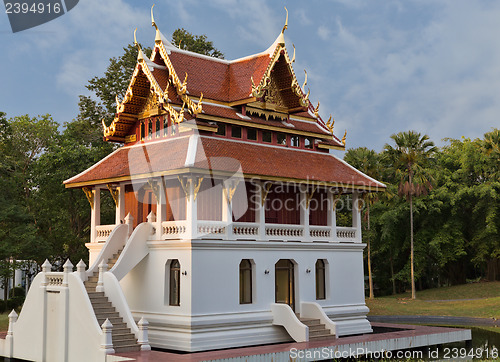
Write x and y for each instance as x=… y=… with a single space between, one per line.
x=412 y=152
x=366 y=161
x=195 y=43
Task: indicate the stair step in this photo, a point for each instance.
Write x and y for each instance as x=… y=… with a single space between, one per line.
x=109 y=315
x=113 y=320
x=104 y=310
x=101 y=303
x=317 y=327
x=96 y=295
x=124 y=342
x=120 y=330
x=129 y=348
x=319 y=333
x=310 y=321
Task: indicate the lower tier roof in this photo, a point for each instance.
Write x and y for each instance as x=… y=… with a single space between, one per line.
x=206 y=154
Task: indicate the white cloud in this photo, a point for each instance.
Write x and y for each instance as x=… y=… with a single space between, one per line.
x=324 y=32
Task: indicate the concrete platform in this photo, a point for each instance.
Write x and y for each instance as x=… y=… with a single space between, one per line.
x=390 y=338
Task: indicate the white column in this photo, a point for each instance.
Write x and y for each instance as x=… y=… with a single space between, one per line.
x=227 y=213
x=191 y=210
x=120 y=208
x=332 y=217
x=161 y=211
x=260 y=213
x=304 y=214
x=356 y=215
x=95 y=219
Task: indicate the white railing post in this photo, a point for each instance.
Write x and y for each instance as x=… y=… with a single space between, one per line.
x=227 y=213
x=120 y=207
x=161 y=210
x=80 y=270
x=260 y=213
x=191 y=209
x=103 y=268
x=46 y=268
x=107 y=341
x=68 y=268
x=332 y=216
x=356 y=214
x=143 y=340
x=9 y=339
x=304 y=213
x=151 y=218
x=95 y=219
x=129 y=220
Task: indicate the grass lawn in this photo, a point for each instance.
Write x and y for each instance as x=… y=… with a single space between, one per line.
x=4 y=321
x=448 y=301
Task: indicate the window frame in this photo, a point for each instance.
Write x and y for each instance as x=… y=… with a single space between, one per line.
x=246 y=280
x=174 y=296
x=320 y=271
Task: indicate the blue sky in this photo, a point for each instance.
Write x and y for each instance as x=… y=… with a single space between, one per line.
x=379 y=67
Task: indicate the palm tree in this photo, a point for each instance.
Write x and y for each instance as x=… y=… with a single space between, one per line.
x=409 y=158
x=366 y=161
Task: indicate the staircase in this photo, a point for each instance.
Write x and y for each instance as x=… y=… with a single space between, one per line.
x=123 y=339
x=316 y=329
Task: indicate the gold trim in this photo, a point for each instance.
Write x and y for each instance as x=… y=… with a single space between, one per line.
x=184 y=185
x=155 y=188
x=262 y=126
x=231 y=189
x=309 y=195
x=90 y=196
x=197 y=187
x=264 y=192
x=344 y=138
x=331 y=147
x=114 y=193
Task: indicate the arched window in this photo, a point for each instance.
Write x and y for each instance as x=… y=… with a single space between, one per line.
x=175 y=283
x=245 y=282
x=320 y=280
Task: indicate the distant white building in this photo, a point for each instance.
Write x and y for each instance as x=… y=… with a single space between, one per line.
x=226 y=231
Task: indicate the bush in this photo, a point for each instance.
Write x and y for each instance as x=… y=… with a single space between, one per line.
x=15 y=302
x=3 y=306
x=18 y=292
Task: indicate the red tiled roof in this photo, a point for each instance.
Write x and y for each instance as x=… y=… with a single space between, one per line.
x=223 y=155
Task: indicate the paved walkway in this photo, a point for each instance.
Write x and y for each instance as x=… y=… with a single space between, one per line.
x=440 y=320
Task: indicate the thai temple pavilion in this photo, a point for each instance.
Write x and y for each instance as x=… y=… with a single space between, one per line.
x=226 y=191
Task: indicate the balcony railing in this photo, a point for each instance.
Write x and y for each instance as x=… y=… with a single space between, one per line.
x=103 y=231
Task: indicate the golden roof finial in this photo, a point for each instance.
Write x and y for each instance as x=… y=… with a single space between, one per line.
x=316 y=110
x=330 y=124
x=293 y=59
x=180 y=42
x=305 y=81
x=286 y=22
x=152 y=18
x=344 y=138
x=135 y=39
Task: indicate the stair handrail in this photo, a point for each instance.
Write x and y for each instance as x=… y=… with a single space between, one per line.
x=284 y=316
x=114 y=293
x=136 y=249
x=114 y=243
x=313 y=310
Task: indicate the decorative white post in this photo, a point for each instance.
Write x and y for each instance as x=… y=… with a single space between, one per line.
x=151 y=218
x=9 y=339
x=143 y=340
x=356 y=214
x=332 y=216
x=103 y=268
x=191 y=209
x=46 y=268
x=304 y=213
x=107 y=341
x=95 y=219
x=129 y=220
x=161 y=210
x=260 y=212
x=80 y=270
x=227 y=212
x=120 y=208
x=67 y=268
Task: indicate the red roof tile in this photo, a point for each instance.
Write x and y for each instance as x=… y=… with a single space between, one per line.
x=223 y=155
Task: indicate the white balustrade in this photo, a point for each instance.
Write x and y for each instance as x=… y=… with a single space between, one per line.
x=284 y=232
x=242 y=229
x=54 y=279
x=173 y=229
x=346 y=234
x=320 y=232
x=103 y=231
x=216 y=229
